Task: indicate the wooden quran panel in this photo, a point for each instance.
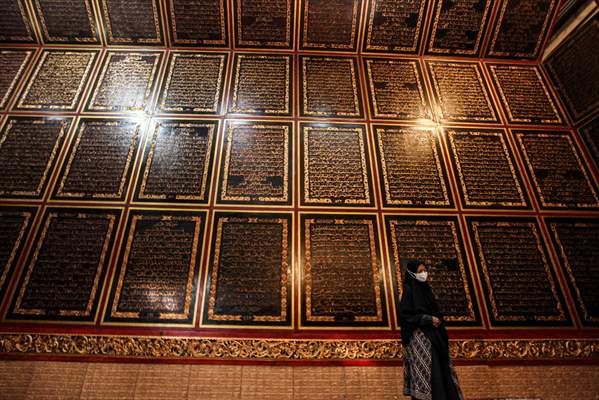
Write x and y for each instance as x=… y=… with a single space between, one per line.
x=14 y=22
x=460 y=92
x=330 y=87
x=485 y=168
x=126 y=82
x=29 y=149
x=100 y=160
x=590 y=136
x=524 y=96
x=576 y=241
x=342 y=279
x=519 y=281
x=177 y=166
x=249 y=278
x=329 y=24
x=394 y=26
x=193 y=84
x=256 y=164
x=557 y=170
x=264 y=23
x=458 y=27
x=132 y=22
x=15 y=224
x=521 y=28
x=64 y=272
x=574 y=68
x=438 y=242
x=411 y=169
x=261 y=85
x=198 y=22
x=58 y=80
x=67 y=21
x=158 y=267
x=335 y=166
x=12 y=66
x=396 y=89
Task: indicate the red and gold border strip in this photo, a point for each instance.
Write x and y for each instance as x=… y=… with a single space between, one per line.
x=237 y=349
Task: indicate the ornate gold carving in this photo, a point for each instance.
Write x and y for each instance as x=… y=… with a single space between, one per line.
x=461 y=92
x=46 y=136
x=313 y=264
x=261 y=84
x=20 y=29
x=13 y=66
x=575 y=269
x=50 y=32
x=411 y=177
x=129 y=33
x=282 y=349
x=515 y=349
x=125 y=82
x=131 y=287
x=213 y=313
x=436 y=251
x=103 y=257
x=517 y=10
x=329 y=87
x=193 y=83
x=58 y=81
x=396 y=89
x=456 y=23
x=79 y=180
x=494 y=172
x=338 y=177
x=324 y=28
x=268 y=12
x=241 y=141
x=26 y=219
x=198 y=22
x=505 y=306
x=524 y=95
x=196 y=163
x=555 y=153
x=393 y=33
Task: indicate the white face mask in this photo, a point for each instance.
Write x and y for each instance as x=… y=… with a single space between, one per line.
x=421 y=276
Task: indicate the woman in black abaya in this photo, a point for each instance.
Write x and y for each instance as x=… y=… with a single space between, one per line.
x=428 y=373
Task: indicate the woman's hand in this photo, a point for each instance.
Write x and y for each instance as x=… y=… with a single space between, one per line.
x=436 y=322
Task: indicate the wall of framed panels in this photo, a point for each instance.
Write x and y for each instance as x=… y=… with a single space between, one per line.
x=492 y=28
x=263 y=177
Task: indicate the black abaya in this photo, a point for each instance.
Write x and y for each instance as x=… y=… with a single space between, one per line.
x=418 y=306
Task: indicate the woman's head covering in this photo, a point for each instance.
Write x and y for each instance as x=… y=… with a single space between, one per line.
x=412 y=265
x=417 y=298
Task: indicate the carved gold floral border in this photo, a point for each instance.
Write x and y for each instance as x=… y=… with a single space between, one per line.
x=288 y=350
